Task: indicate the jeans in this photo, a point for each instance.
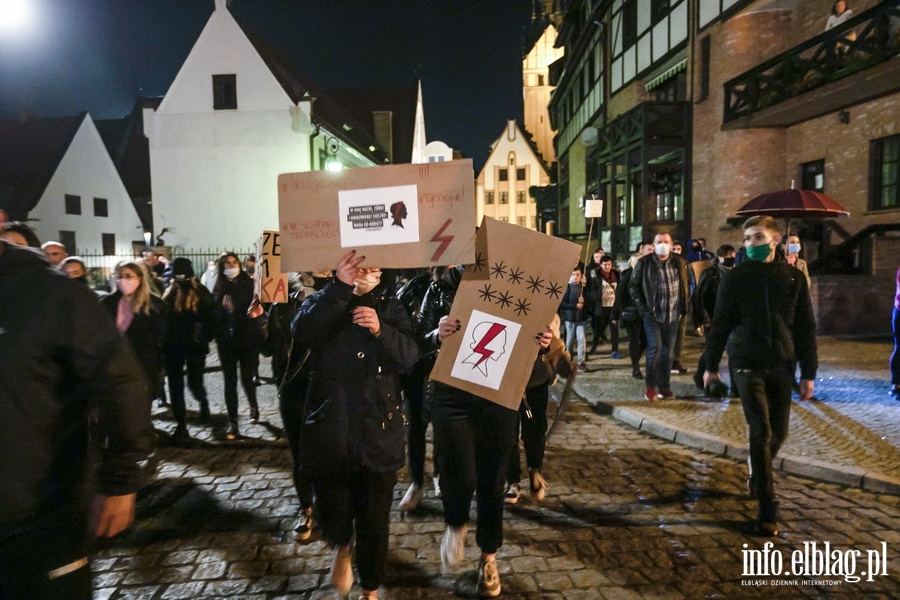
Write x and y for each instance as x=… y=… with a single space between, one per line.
x=895 y=356
x=575 y=334
x=766 y=400
x=637 y=341
x=359 y=500
x=473 y=437
x=291 y=409
x=230 y=355
x=534 y=433
x=660 y=341
x=176 y=358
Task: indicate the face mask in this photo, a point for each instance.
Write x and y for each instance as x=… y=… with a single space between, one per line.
x=127 y=286
x=728 y=262
x=662 y=249
x=82 y=280
x=366 y=283
x=793 y=248
x=759 y=253
x=696 y=247
x=232 y=272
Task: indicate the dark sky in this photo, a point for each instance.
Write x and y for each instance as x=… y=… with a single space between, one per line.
x=98 y=55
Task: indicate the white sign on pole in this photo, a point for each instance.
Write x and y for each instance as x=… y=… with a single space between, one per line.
x=593 y=209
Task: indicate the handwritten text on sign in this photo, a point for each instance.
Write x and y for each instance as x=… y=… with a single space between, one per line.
x=271 y=283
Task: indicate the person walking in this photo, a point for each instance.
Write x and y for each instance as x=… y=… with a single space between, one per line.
x=703 y=303
x=625 y=314
x=659 y=291
x=573 y=312
x=607 y=279
x=895 y=355
x=191 y=326
x=764 y=313
x=352 y=437
x=62 y=360
x=238 y=338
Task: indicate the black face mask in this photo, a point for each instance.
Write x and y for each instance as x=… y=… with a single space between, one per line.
x=728 y=262
x=696 y=248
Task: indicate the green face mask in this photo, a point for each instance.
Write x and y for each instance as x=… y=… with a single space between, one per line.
x=759 y=253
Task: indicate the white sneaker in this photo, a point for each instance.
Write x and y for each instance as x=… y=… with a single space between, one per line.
x=538 y=486
x=437 y=486
x=488 y=578
x=511 y=493
x=453 y=546
x=342 y=570
x=412 y=497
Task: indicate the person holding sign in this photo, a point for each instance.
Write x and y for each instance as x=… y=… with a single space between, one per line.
x=353 y=432
x=473 y=438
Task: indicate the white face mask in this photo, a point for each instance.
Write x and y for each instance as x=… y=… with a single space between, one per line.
x=793 y=248
x=127 y=286
x=231 y=273
x=662 y=249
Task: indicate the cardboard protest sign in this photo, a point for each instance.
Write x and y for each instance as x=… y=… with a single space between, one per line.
x=269 y=282
x=397 y=216
x=504 y=300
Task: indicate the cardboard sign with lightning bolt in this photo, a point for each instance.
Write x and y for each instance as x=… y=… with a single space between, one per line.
x=397 y=216
x=506 y=297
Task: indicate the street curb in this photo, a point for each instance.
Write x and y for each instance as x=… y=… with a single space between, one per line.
x=801 y=466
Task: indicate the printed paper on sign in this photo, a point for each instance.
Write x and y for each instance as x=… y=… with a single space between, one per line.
x=593 y=209
x=485 y=350
x=379 y=216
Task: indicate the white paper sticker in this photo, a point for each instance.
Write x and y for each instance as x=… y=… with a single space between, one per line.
x=379 y=216
x=485 y=350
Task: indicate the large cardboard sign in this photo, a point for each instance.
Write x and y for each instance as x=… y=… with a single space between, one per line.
x=397 y=216
x=269 y=282
x=505 y=298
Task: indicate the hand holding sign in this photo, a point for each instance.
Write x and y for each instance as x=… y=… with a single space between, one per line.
x=348 y=269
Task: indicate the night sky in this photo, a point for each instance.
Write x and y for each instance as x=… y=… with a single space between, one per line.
x=98 y=55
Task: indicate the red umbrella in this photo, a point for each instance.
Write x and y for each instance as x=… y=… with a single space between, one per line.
x=794 y=204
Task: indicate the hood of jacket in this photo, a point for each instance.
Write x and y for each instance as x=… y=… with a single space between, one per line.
x=14 y=257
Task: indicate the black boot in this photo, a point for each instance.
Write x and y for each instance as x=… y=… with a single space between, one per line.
x=204 y=410
x=254 y=412
x=767 y=517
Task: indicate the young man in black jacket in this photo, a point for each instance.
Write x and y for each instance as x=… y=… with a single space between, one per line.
x=62 y=360
x=764 y=312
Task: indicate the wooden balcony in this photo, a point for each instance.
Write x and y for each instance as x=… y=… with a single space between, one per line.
x=854 y=62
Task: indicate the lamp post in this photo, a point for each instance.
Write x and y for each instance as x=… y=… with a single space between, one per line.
x=148 y=237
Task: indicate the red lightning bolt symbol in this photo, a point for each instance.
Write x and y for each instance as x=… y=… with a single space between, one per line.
x=443 y=239
x=481 y=348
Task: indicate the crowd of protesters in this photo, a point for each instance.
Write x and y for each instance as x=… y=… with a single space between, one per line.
x=352 y=350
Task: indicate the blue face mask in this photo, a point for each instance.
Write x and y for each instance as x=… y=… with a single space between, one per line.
x=759 y=253
x=793 y=249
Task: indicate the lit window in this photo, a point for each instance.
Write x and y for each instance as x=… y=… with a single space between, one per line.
x=504 y=197
x=520 y=197
x=489 y=197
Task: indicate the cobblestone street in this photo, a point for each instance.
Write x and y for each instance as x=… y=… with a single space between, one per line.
x=627 y=515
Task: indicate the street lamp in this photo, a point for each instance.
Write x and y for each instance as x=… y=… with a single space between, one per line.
x=148 y=237
x=16 y=16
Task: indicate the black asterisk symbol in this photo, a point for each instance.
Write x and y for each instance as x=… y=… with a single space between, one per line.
x=534 y=284
x=487 y=294
x=522 y=307
x=479 y=262
x=498 y=270
x=515 y=275
x=505 y=299
x=554 y=290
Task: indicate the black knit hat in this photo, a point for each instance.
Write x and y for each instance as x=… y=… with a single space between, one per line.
x=182 y=268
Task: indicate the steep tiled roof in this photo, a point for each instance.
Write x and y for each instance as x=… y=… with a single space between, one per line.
x=325 y=110
x=30 y=152
x=400 y=100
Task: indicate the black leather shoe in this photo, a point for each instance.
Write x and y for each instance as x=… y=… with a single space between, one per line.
x=232 y=432
x=636 y=373
x=254 y=414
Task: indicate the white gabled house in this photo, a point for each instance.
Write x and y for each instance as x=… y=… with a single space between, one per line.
x=57 y=175
x=235 y=117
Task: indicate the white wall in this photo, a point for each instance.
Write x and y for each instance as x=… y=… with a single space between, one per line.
x=214 y=172
x=510 y=151
x=87 y=171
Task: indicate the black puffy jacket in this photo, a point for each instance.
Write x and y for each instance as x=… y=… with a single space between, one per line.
x=764 y=312
x=61 y=358
x=352 y=416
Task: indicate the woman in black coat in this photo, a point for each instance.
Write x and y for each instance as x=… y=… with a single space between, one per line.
x=239 y=336
x=140 y=316
x=352 y=437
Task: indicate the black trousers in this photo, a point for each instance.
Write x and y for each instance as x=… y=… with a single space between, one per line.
x=600 y=321
x=895 y=356
x=176 y=359
x=230 y=355
x=766 y=400
x=473 y=437
x=637 y=341
x=534 y=433
x=291 y=409
x=418 y=413
x=47 y=561
x=360 y=501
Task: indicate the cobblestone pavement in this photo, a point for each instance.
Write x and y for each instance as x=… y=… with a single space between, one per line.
x=627 y=516
x=851 y=436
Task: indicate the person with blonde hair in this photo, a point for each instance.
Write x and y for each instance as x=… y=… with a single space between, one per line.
x=140 y=316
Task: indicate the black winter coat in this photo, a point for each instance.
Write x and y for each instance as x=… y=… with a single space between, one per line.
x=61 y=357
x=191 y=330
x=145 y=335
x=568 y=307
x=235 y=328
x=353 y=417
x=703 y=302
x=624 y=309
x=645 y=281
x=764 y=312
